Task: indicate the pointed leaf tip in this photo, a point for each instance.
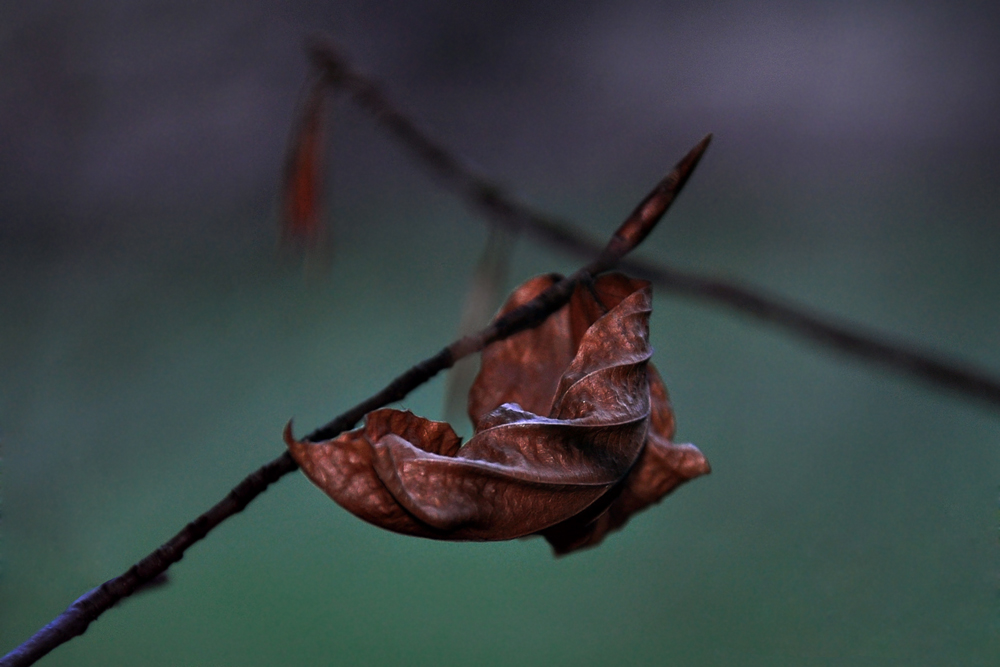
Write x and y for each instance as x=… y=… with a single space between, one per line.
x=651 y=210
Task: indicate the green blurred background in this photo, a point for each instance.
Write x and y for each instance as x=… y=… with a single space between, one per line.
x=153 y=339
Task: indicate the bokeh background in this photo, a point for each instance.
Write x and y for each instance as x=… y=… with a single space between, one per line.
x=154 y=340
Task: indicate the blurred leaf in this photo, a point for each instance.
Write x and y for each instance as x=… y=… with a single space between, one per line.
x=302 y=215
x=481 y=300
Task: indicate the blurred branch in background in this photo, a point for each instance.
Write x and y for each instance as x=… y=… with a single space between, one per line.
x=487 y=198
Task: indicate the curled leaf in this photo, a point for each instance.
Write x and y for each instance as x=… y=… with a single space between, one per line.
x=572 y=435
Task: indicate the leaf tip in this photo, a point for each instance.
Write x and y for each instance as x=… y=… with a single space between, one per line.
x=295 y=447
x=693 y=464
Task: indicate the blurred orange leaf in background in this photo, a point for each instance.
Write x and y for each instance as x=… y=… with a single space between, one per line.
x=302 y=219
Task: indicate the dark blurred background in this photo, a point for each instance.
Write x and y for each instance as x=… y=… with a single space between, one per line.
x=154 y=339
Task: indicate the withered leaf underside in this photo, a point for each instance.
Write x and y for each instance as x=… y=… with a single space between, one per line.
x=573 y=435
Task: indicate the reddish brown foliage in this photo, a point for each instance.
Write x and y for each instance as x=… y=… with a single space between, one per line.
x=302 y=186
x=573 y=435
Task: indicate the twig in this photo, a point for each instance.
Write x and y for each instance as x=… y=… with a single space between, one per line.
x=827 y=332
x=79 y=615
x=489 y=199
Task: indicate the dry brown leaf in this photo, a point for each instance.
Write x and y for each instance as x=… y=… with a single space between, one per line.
x=573 y=435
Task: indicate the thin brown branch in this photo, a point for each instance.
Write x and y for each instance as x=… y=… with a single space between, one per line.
x=828 y=332
x=79 y=615
x=488 y=198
